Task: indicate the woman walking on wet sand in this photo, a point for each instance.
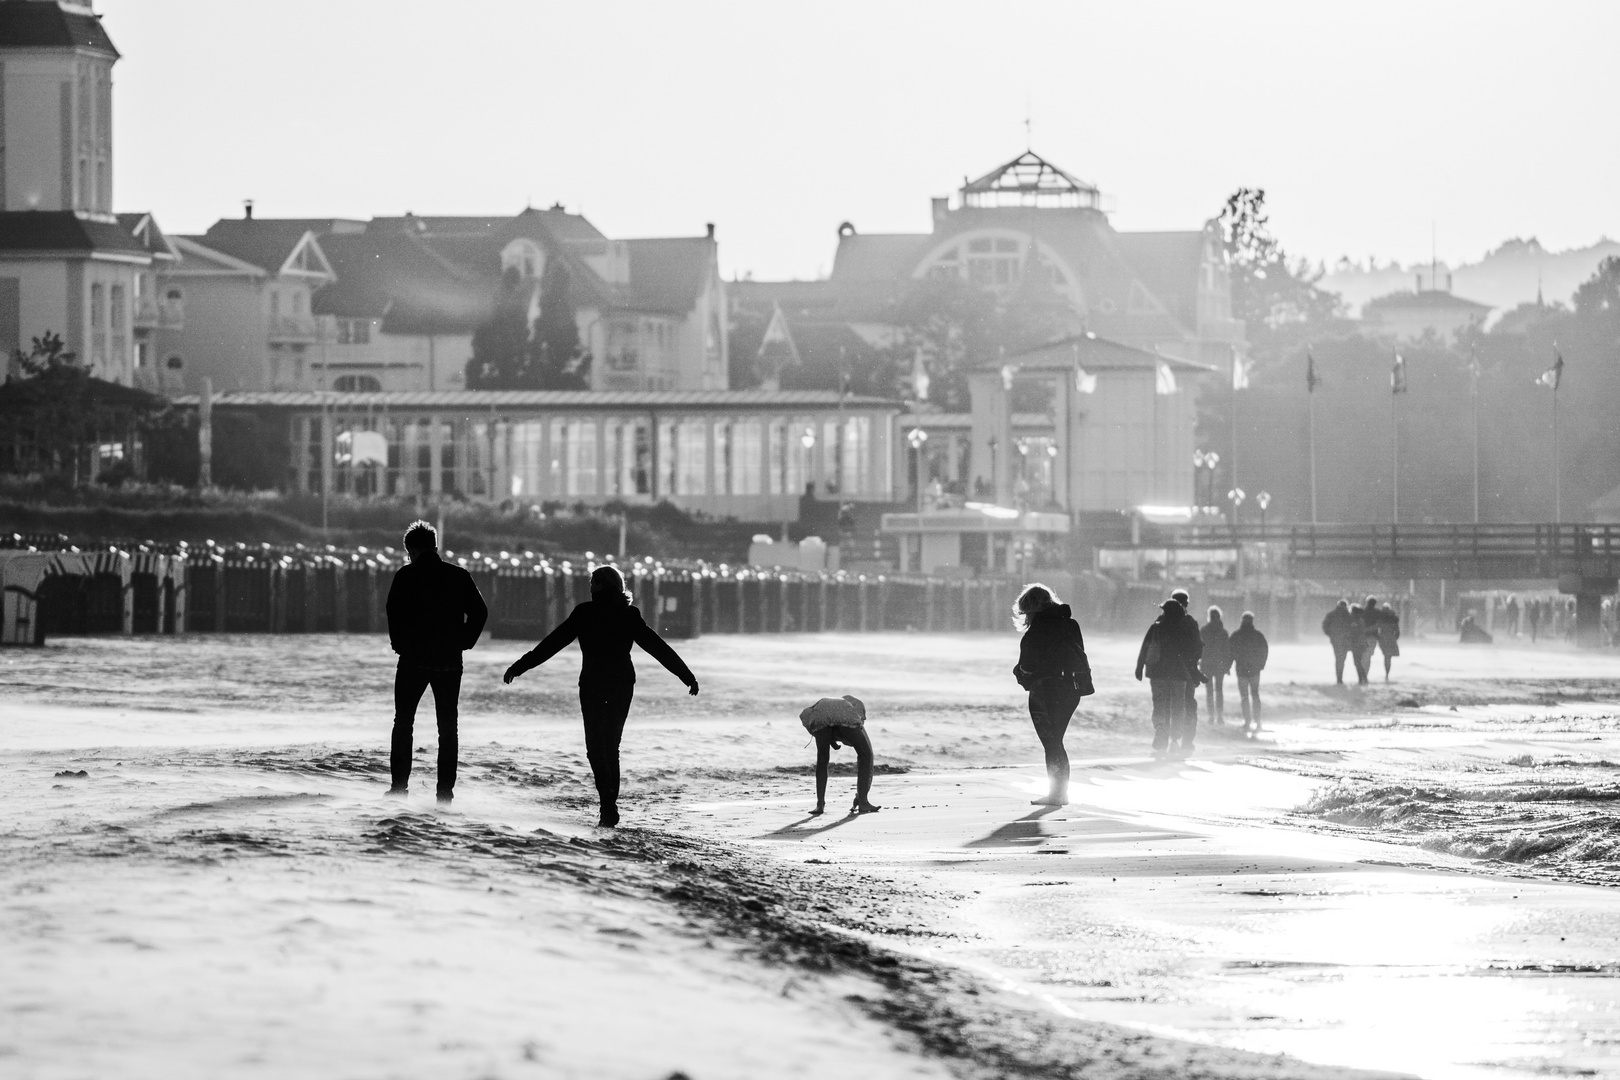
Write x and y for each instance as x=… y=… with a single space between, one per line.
x=1052 y=666
x=606 y=626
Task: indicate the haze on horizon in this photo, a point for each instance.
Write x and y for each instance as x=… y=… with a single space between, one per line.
x=1368 y=123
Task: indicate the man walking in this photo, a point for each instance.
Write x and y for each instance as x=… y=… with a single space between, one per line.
x=1195 y=680
x=434 y=614
x=1340 y=631
x=1249 y=653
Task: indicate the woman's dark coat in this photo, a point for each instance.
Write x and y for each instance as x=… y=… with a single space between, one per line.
x=1052 y=648
x=1217 y=655
x=606 y=629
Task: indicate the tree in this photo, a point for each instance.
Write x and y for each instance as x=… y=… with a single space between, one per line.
x=500 y=345
x=1268 y=292
x=518 y=349
x=558 y=360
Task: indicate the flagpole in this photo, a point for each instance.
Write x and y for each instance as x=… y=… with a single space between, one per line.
x=1474 y=378
x=1234 y=434
x=1558 y=472
x=1310 y=398
x=1395 y=458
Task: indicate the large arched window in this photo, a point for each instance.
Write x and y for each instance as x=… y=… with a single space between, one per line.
x=525 y=256
x=999 y=259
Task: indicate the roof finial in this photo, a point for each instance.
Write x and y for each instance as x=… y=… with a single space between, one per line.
x=1029 y=125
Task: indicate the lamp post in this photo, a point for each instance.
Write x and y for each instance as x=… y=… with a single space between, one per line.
x=1198 y=478
x=917 y=437
x=1263 y=500
x=1236 y=495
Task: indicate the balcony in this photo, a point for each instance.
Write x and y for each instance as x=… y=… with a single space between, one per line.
x=293 y=328
x=159 y=315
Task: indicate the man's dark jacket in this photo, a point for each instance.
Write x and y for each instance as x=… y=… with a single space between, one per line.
x=1338 y=626
x=606 y=628
x=1249 y=650
x=1180 y=646
x=434 y=613
x=1052 y=648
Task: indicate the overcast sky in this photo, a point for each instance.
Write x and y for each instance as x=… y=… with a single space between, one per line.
x=1366 y=122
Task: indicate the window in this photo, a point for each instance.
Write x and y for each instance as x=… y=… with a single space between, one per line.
x=581 y=457
x=175 y=295
x=174 y=363
x=524 y=457
x=275 y=304
x=98 y=306
x=747 y=454
x=116 y=311
x=356 y=384
x=298 y=303
x=354 y=331
x=692 y=458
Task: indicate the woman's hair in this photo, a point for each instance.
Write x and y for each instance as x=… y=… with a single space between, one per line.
x=608 y=584
x=1034 y=599
x=1214 y=613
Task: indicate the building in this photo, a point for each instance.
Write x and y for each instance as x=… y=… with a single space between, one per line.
x=748 y=454
x=392 y=304
x=1429 y=308
x=68 y=265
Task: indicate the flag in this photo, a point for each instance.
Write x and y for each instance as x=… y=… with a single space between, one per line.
x=1164 y=380
x=1397 y=375
x=1311 y=381
x=919 y=376
x=1084 y=382
x=1555 y=374
x=1240 y=371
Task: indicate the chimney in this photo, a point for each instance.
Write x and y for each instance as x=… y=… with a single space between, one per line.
x=247 y=209
x=710 y=227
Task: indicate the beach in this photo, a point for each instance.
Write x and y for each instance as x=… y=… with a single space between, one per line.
x=1379 y=882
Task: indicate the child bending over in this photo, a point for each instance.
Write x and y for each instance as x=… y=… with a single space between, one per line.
x=834 y=721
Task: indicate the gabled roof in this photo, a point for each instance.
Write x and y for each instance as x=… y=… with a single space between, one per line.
x=272 y=244
x=557 y=221
x=398 y=278
x=43 y=24
x=62 y=230
x=878 y=256
x=1030 y=180
x=197 y=258
x=484 y=400
x=144 y=228
x=1094 y=354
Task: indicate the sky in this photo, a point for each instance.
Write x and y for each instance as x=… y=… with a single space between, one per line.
x=1375 y=127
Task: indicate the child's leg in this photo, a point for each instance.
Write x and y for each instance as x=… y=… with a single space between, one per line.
x=823 y=753
x=856 y=737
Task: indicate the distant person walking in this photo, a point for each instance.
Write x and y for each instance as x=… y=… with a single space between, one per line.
x=434 y=614
x=1169 y=658
x=1511 y=609
x=1534 y=614
x=1249 y=654
x=1340 y=634
x=606 y=626
x=1184 y=598
x=1362 y=642
x=1384 y=625
x=1053 y=667
x=1215 y=662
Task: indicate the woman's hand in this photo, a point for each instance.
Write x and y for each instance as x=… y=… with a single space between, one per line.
x=692 y=690
x=1138 y=675
x=511 y=673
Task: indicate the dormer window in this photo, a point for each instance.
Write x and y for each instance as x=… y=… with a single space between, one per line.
x=525 y=257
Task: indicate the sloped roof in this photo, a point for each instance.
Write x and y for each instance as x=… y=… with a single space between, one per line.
x=1029 y=180
x=61 y=230
x=398 y=278
x=1168 y=264
x=144 y=228
x=878 y=256
x=560 y=223
x=264 y=242
x=484 y=400
x=197 y=258
x=1428 y=300
x=1094 y=354
x=669 y=274
x=37 y=24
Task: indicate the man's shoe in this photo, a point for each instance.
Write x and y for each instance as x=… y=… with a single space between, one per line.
x=399 y=791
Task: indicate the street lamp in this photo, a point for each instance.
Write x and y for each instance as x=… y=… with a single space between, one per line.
x=1236 y=495
x=1263 y=500
x=808 y=441
x=917 y=437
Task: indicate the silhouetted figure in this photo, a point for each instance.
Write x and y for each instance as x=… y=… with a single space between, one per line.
x=1535 y=615
x=1511 y=609
x=833 y=722
x=1215 y=662
x=434 y=614
x=1249 y=654
x=1053 y=667
x=606 y=626
x=1471 y=633
x=1169 y=658
x=1184 y=598
x=1384 y=632
x=1340 y=633
x=1362 y=643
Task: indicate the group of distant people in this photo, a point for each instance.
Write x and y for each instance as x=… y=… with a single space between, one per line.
x=1177 y=656
x=1361 y=631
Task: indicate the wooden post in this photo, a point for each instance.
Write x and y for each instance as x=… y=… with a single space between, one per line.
x=340 y=598
x=928 y=606
x=372 y=593
x=219 y=595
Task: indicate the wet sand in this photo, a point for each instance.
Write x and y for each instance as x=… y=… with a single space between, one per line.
x=226 y=875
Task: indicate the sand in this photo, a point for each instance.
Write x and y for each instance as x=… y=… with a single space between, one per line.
x=225 y=891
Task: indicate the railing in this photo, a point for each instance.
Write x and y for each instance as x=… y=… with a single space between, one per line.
x=298 y=327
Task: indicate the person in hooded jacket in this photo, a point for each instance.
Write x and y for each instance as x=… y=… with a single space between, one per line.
x=1215 y=662
x=606 y=626
x=1384 y=632
x=1250 y=650
x=1362 y=642
x=1053 y=667
x=1169 y=658
x=1184 y=598
x=1340 y=634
